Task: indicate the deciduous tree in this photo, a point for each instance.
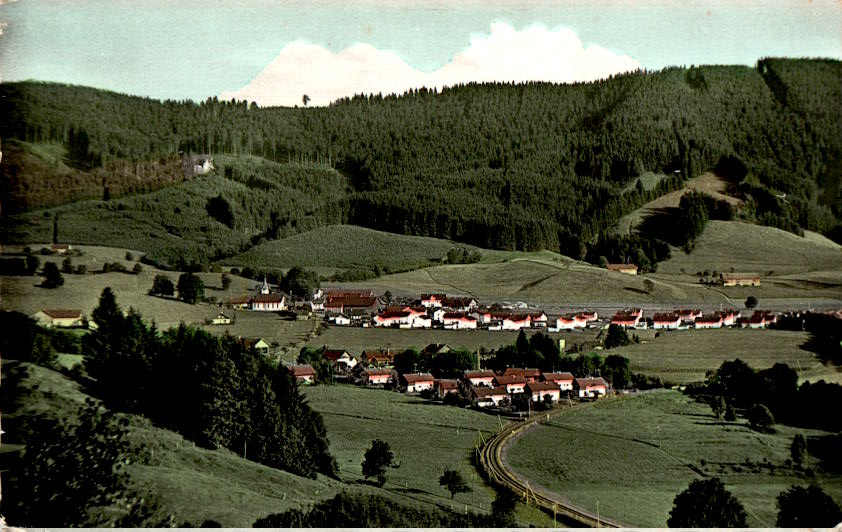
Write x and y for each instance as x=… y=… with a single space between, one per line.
x=706 y=504
x=809 y=507
x=453 y=482
x=378 y=458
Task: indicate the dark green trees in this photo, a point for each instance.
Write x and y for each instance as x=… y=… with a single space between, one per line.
x=809 y=507
x=453 y=482
x=299 y=282
x=706 y=504
x=52 y=276
x=162 y=286
x=219 y=209
x=190 y=288
x=616 y=337
x=378 y=458
x=798 y=449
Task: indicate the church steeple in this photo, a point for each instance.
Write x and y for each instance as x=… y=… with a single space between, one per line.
x=265 y=288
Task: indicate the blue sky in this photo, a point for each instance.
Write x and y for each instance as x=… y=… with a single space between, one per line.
x=192 y=49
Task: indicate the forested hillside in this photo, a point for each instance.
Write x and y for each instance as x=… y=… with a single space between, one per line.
x=526 y=166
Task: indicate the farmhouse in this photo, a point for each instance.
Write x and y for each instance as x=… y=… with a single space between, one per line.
x=512 y=383
x=530 y=374
x=591 y=387
x=630 y=269
x=268 y=303
x=378 y=357
x=61 y=249
x=729 y=317
x=484 y=316
x=539 y=319
x=480 y=378
x=446 y=386
x=242 y=302
x=258 y=344
x=393 y=318
x=489 y=396
x=303 y=373
x=50 y=318
x=457 y=320
x=417 y=382
x=740 y=279
x=436 y=349
x=538 y=390
x=588 y=316
x=338 y=318
x=376 y=377
x=666 y=320
x=221 y=319
x=340 y=359
x=563 y=381
x=571 y=322
x=627 y=318
x=688 y=315
x=343 y=304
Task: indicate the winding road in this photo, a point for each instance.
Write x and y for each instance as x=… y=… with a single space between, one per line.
x=491 y=460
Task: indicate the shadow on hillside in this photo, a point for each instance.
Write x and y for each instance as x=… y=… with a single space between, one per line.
x=661 y=224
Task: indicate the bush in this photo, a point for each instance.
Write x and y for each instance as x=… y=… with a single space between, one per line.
x=52 y=277
x=137 y=268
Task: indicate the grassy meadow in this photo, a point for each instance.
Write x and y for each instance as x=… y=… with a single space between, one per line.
x=633 y=456
x=682 y=357
x=425 y=437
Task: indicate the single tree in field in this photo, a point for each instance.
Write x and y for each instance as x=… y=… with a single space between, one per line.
x=190 y=288
x=377 y=459
x=807 y=508
x=453 y=482
x=162 y=286
x=761 y=419
x=717 y=405
x=503 y=509
x=648 y=285
x=225 y=281
x=616 y=337
x=798 y=449
x=67 y=265
x=32 y=264
x=52 y=277
x=706 y=504
x=751 y=302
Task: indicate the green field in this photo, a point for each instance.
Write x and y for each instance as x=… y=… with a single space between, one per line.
x=425 y=437
x=681 y=357
x=633 y=456
x=540 y=280
x=347 y=246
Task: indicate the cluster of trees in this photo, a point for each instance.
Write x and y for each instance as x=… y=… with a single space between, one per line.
x=772 y=394
x=542 y=352
x=213 y=390
x=510 y=166
x=707 y=504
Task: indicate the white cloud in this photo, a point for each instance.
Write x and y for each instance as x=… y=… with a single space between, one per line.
x=534 y=54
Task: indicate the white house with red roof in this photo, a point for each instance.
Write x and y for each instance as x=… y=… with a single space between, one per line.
x=512 y=383
x=303 y=373
x=666 y=320
x=729 y=317
x=591 y=387
x=630 y=269
x=416 y=382
x=480 y=378
x=484 y=316
x=564 y=381
x=446 y=386
x=51 y=317
x=538 y=319
x=340 y=358
x=377 y=377
x=539 y=390
x=628 y=318
x=589 y=316
x=530 y=374
x=516 y=322
x=709 y=322
x=458 y=320
x=489 y=396
x=688 y=315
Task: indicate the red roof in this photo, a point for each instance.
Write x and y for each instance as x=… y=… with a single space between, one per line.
x=487 y=392
x=376 y=372
x=411 y=378
x=334 y=354
x=458 y=316
x=620 y=267
x=268 y=298
x=503 y=380
x=239 y=300
x=351 y=301
x=302 y=370
x=591 y=382
x=523 y=372
x=558 y=377
x=666 y=317
x=542 y=386
x=62 y=313
x=393 y=314
x=479 y=374
x=447 y=384
x=332 y=293
x=458 y=302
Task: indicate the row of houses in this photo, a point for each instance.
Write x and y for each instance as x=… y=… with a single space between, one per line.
x=692 y=318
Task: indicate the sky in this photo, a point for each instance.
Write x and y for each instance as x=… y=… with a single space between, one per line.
x=274 y=52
